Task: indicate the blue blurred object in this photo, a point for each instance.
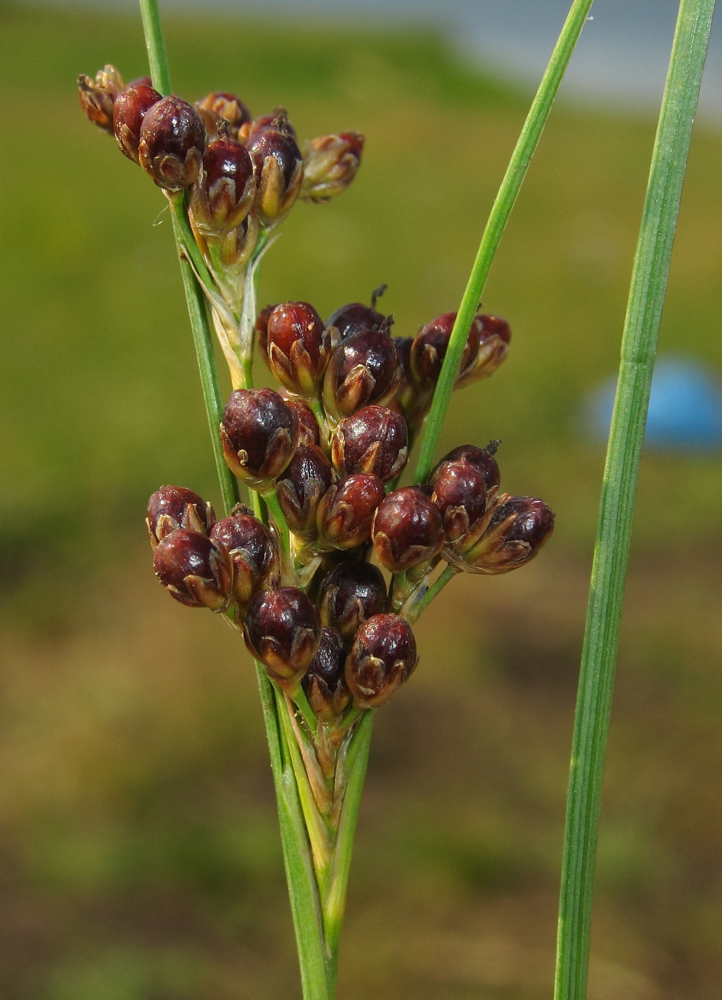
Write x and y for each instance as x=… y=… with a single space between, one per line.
x=685 y=408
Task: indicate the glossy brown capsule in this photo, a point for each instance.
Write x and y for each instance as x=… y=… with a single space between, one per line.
x=279 y=172
x=481 y=458
x=429 y=347
x=259 y=433
x=374 y=439
x=253 y=553
x=194 y=570
x=382 y=658
x=308 y=430
x=283 y=631
x=407 y=529
x=460 y=495
x=129 y=109
x=172 y=143
x=347 y=509
x=517 y=530
x=350 y=594
x=324 y=681
x=355 y=317
x=363 y=369
x=298 y=346
x=330 y=164
x=307 y=477
x=222 y=196
x=173 y=507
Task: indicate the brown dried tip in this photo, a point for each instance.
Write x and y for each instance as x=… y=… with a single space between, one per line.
x=283 y=631
x=382 y=658
x=194 y=570
x=173 y=507
x=222 y=104
x=330 y=164
x=98 y=96
x=172 y=143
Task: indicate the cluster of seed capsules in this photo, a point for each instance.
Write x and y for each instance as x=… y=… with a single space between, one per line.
x=243 y=174
x=326 y=456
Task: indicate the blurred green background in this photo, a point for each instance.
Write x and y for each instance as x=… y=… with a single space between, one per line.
x=138 y=845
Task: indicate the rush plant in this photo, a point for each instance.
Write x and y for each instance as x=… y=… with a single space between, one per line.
x=326 y=564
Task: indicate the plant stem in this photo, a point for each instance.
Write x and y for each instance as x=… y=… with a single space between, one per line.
x=421 y=599
x=644 y=310
x=157 y=58
x=498 y=217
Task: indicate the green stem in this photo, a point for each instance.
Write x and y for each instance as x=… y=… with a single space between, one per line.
x=644 y=310
x=356 y=763
x=421 y=599
x=157 y=58
x=279 y=517
x=500 y=211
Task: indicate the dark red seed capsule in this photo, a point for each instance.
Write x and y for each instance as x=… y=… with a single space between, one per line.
x=308 y=430
x=306 y=479
x=172 y=143
x=277 y=119
x=173 y=507
x=298 y=347
x=262 y=330
x=279 y=172
x=517 y=530
x=355 y=317
x=347 y=509
x=430 y=344
x=374 y=439
x=129 y=109
x=363 y=369
x=224 y=192
x=382 y=658
x=283 y=631
x=253 y=553
x=407 y=529
x=259 y=434
x=324 y=682
x=350 y=594
x=460 y=495
x=481 y=458
x=194 y=570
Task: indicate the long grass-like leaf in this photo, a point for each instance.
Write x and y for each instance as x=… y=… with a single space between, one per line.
x=644 y=311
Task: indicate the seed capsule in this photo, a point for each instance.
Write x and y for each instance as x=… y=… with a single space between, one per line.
x=253 y=553
x=298 y=347
x=261 y=329
x=259 y=434
x=330 y=164
x=307 y=477
x=494 y=337
x=308 y=430
x=129 y=109
x=430 y=345
x=282 y=630
x=173 y=507
x=460 y=495
x=481 y=458
x=194 y=570
x=382 y=658
x=517 y=530
x=374 y=439
x=324 y=682
x=407 y=529
x=363 y=369
x=347 y=509
x=277 y=119
x=172 y=143
x=222 y=196
x=355 y=317
x=221 y=104
x=279 y=172
x=98 y=96
x=350 y=594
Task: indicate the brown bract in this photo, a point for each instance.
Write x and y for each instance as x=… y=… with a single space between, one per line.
x=98 y=96
x=330 y=164
x=382 y=658
x=222 y=104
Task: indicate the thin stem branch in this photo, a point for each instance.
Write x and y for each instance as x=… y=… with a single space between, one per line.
x=639 y=341
x=500 y=212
